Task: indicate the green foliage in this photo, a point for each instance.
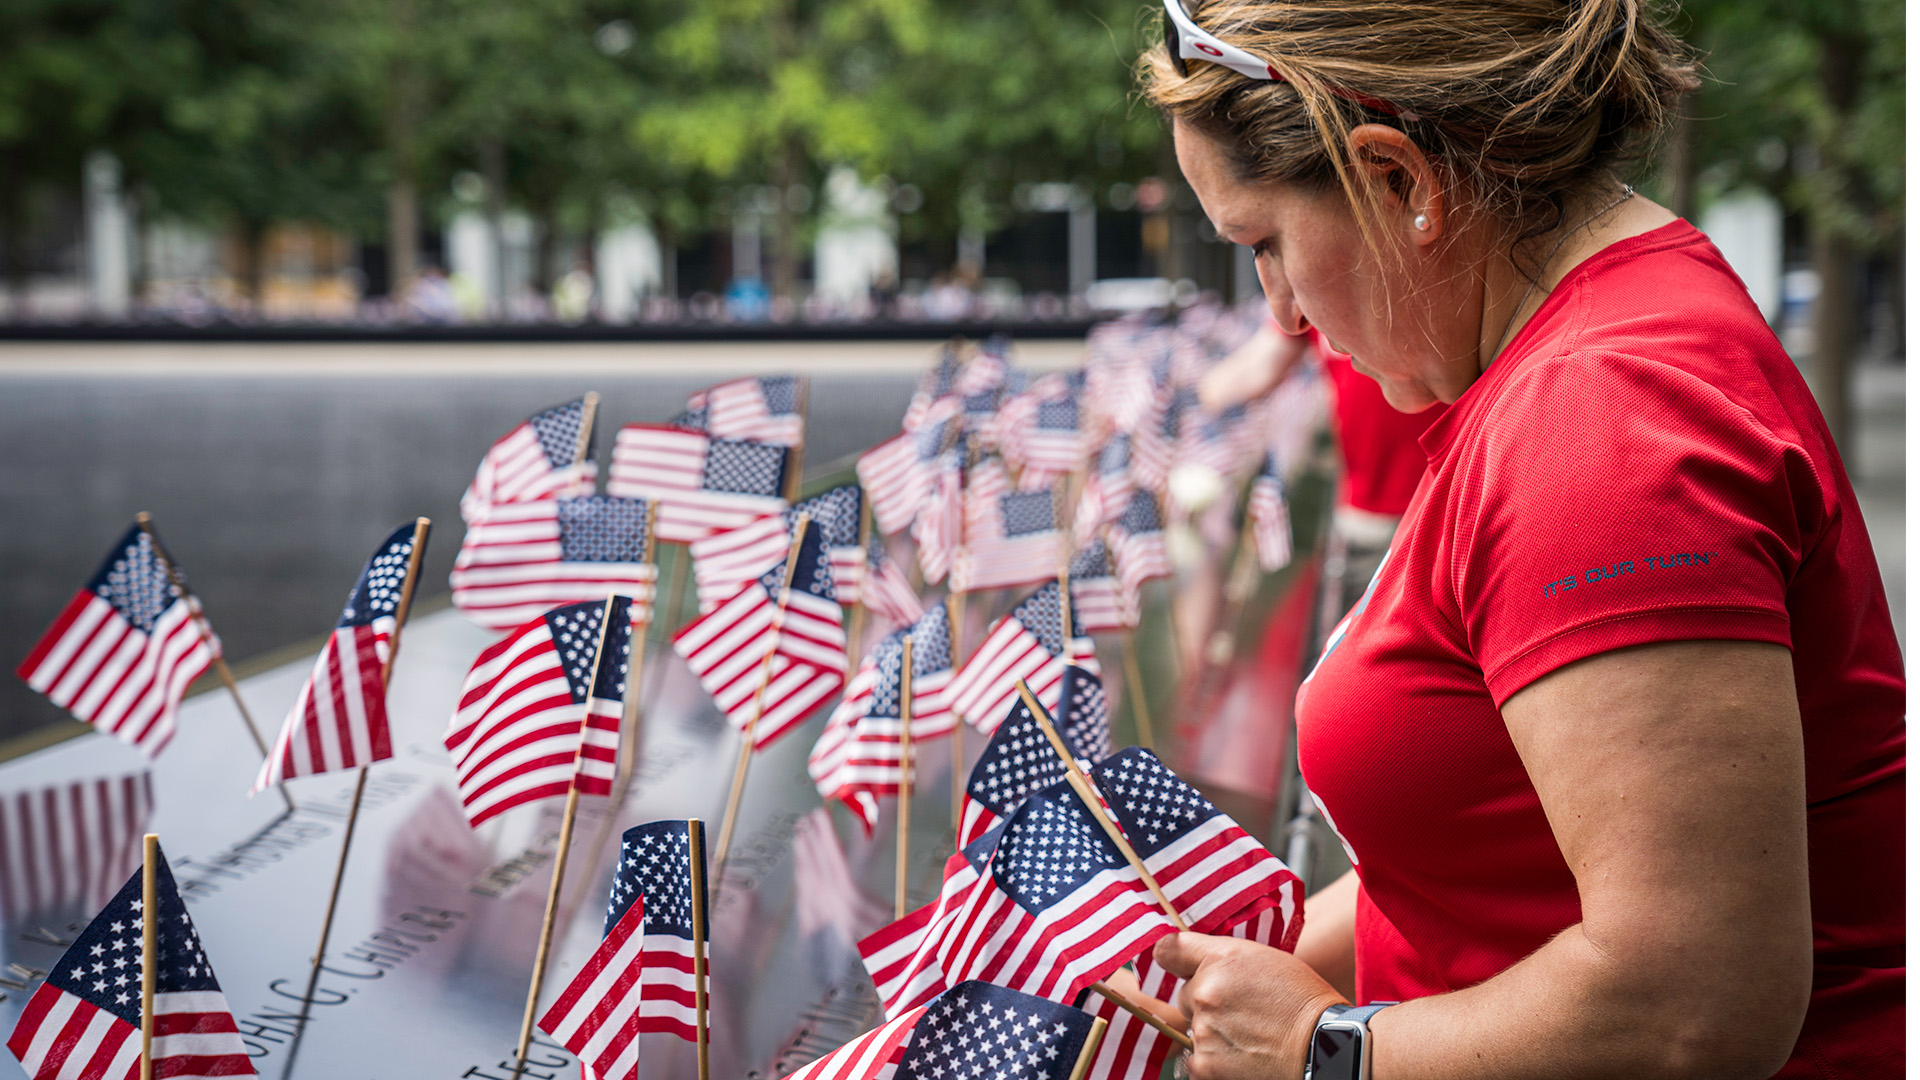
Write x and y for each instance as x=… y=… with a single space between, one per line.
x=252 y=110
x=1807 y=98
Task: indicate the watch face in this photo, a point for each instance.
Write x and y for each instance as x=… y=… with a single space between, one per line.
x=1337 y=1052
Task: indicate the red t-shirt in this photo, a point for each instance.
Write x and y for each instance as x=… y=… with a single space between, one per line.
x=1379 y=443
x=1642 y=464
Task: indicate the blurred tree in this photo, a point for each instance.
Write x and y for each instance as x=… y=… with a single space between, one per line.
x=73 y=75
x=768 y=92
x=964 y=98
x=250 y=131
x=1807 y=99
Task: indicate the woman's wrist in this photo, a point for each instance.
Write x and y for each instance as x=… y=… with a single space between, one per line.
x=1301 y=1027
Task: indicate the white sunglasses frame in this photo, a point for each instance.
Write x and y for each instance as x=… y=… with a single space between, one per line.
x=1197 y=44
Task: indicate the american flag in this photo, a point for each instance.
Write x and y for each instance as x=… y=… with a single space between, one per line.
x=857 y=759
x=936 y=388
x=340 y=718
x=1107 y=490
x=728 y=648
x=642 y=977
x=765 y=409
x=83 y=1023
x=904 y=979
x=1138 y=542
x=1012 y=538
x=727 y=560
x=1132 y=1049
x=1025 y=644
x=1041 y=432
x=1154 y=440
x=1098 y=600
x=533 y=461
x=524 y=559
x=885 y=590
x=941 y=525
x=1053 y=907
x=1210 y=868
x=536 y=711
x=1224 y=442
x=873 y=1056
x=71 y=844
x=1272 y=525
x=898 y=473
x=704 y=483
x=1019 y=760
x=977 y=1029
x=122 y=652
x=989 y=369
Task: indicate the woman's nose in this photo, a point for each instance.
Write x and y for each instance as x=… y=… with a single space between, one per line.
x=1280 y=301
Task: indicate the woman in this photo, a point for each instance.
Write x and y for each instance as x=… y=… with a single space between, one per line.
x=1615 y=737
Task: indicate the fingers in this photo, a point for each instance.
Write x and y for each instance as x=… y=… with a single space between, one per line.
x=1182 y=953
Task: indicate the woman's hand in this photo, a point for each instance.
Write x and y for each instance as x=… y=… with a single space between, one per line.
x=1251 y=1008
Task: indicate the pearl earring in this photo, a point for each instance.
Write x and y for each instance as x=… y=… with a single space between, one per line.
x=1420 y=222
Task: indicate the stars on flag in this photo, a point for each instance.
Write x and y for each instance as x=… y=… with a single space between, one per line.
x=1049 y=849
x=654 y=868
x=136 y=582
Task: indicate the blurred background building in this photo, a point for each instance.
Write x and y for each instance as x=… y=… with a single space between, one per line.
x=626 y=161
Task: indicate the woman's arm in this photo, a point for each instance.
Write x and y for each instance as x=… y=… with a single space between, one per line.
x=1326 y=937
x=1254 y=368
x=1673 y=777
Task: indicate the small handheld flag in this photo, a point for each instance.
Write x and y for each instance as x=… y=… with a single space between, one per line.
x=84 y=1022
x=340 y=718
x=122 y=652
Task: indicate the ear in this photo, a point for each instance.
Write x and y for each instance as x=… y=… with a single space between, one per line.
x=1402 y=181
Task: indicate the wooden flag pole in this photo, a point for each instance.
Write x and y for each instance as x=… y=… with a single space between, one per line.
x=857 y=621
x=1066 y=570
x=1173 y=603
x=1136 y=690
x=420 y=527
x=1137 y=1005
x=906 y=777
x=560 y=855
x=630 y=720
x=149 y=947
x=204 y=628
x=1242 y=579
x=697 y=866
x=1088 y=1048
x=728 y=821
x=798 y=460
x=676 y=590
x=589 y=404
x=1084 y=788
x=956 y=617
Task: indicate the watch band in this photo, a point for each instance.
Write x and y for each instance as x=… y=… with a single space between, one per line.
x=1358 y=1013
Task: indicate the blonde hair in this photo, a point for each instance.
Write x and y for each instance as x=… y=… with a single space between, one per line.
x=1527 y=105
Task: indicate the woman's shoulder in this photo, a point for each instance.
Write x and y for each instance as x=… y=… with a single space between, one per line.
x=1656 y=329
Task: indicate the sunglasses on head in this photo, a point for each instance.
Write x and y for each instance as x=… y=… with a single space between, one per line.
x=1186 y=41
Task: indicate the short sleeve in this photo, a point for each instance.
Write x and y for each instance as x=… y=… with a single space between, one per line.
x=1611 y=501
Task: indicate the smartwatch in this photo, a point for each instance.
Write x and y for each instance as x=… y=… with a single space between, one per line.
x=1342 y=1047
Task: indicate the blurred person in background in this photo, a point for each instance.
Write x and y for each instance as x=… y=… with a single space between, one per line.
x=573 y=294
x=1380 y=456
x=1614 y=738
x=430 y=297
